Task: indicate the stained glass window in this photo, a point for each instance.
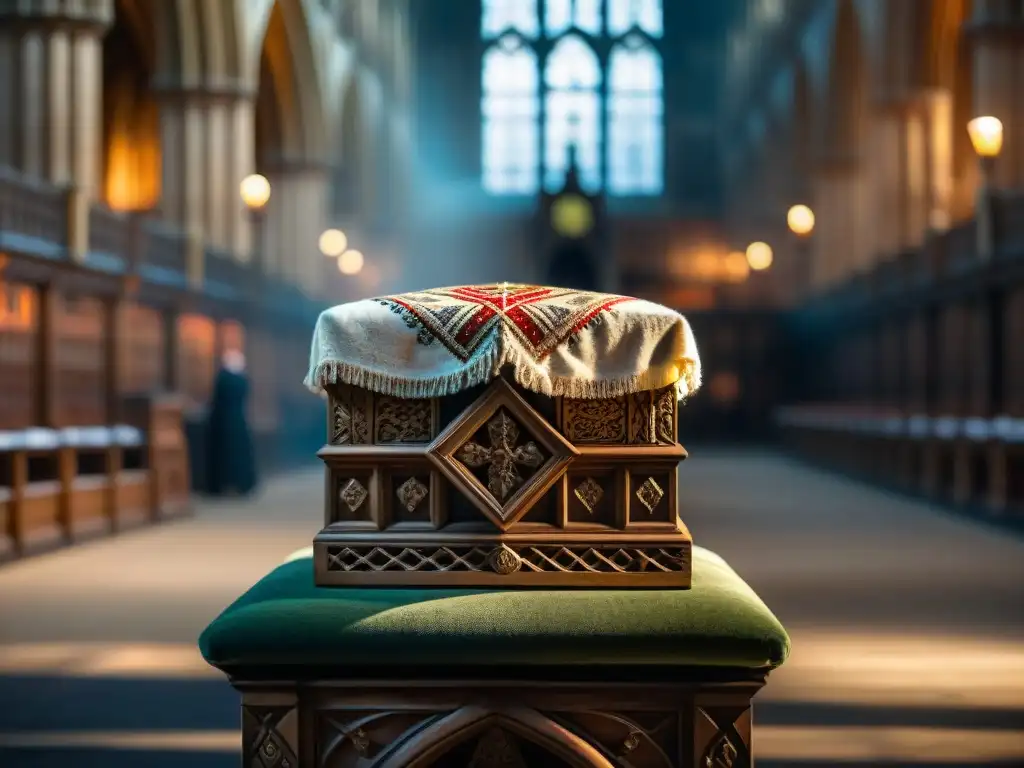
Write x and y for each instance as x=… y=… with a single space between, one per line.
x=635 y=119
x=572 y=105
x=539 y=108
x=510 y=118
x=626 y=15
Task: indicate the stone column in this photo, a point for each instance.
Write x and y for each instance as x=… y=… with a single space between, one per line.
x=937 y=110
x=296 y=217
x=887 y=204
x=207 y=140
x=916 y=177
x=51 y=90
x=839 y=234
x=823 y=245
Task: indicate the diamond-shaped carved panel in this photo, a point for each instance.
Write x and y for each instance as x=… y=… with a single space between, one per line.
x=501 y=454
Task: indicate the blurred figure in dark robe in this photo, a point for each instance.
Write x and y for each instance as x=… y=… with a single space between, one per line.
x=230 y=459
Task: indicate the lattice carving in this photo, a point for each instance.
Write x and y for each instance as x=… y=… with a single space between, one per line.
x=594 y=421
x=589 y=493
x=403 y=421
x=503 y=559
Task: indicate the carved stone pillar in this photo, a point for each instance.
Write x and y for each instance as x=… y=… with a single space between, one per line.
x=296 y=216
x=998 y=63
x=888 y=189
x=936 y=109
x=51 y=90
x=839 y=236
x=207 y=141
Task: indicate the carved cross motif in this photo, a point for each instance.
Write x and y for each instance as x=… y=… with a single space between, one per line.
x=502 y=457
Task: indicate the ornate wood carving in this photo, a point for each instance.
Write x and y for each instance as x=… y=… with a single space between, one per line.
x=403 y=421
x=530 y=562
x=502 y=457
x=351 y=415
x=361 y=408
x=652 y=417
x=411 y=493
x=646 y=723
x=589 y=493
x=594 y=421
x=499 y=495
x=270 y=737
x=516 y=436
x=341 y=424
x=650 y=493
x=722 y=735
x=353 y=494
x=497 y=749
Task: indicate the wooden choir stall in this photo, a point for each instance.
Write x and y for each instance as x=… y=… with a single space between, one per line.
x=111 y=326
x=925 y=391
x=503 y=577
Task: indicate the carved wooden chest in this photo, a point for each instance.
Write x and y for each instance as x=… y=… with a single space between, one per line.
x=495 y=483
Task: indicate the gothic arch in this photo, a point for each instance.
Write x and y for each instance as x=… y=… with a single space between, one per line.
x=846 y=88
x=426 y=745
x=939 y=51
x=289 y=98
x=142 y=46
x=942 y=64
x=890 y=57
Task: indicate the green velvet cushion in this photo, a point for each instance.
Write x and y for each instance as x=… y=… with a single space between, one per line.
x=285 y=620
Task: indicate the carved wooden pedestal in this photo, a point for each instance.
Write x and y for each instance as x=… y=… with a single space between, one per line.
x=498 y=486
x=694 y=721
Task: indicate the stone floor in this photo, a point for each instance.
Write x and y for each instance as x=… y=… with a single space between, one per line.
x=907 y=624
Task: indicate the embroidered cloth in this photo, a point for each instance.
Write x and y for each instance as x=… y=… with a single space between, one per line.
x=556 y=341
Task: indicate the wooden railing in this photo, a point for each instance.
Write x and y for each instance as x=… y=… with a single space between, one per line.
x=59 y=486
x=37 y=220
x=73 y=474
x=915 y=372
x=32 y=214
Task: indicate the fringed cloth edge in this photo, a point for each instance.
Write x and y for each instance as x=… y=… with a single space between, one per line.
x=684 y=375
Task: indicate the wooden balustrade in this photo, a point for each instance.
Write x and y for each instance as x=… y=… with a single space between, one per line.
x=87 y=340
x=111 y=235
x=925 y=371
x=33 y=216
x=60 y=486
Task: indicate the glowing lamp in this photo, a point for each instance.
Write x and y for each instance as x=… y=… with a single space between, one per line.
x=571 y=216
x=759 y=256
x=350 y=263
x=255 y=191
x=986 y=135
x=333 y=243
x=800 y=220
